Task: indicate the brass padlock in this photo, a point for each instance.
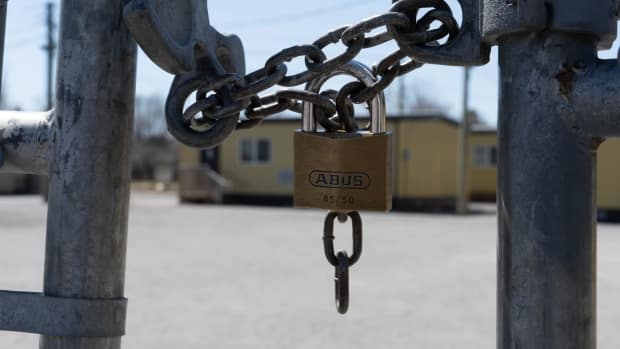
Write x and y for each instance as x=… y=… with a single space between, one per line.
x=342 y=171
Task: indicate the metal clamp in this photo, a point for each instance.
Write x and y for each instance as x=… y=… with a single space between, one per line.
x=208 y=136
x=501 y=17
x=63 y=317
x=466 y=48
x=591 y=17
x=594 y=17
x=177 y=34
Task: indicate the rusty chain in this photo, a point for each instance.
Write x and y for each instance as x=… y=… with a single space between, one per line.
x=219 y=101
x=227 y=96
x=341 y=260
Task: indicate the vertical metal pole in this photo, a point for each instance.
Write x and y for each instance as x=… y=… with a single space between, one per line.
x=89 y=173
x=547 y=227
x=463 y=144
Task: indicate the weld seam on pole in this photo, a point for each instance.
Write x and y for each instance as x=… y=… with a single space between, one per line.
x=64 y=317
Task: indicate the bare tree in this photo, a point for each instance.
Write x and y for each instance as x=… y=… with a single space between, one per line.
x=153 y=148
x=406 y=99
x=423 y=102
x=150 y=117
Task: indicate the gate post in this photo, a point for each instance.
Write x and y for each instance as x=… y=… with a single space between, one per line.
x=557 y=102
x=90 y=161
x=547 y=228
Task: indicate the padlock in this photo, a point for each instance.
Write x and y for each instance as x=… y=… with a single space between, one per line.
x=342 y=171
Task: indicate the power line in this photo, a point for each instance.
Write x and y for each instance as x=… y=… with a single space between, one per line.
x=30 y=8
x=291 y=17
x=23 y=41
x=26 y=23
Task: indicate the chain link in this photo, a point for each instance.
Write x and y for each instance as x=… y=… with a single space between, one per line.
x=345 y=94
x=230 y=94
x=341 y=260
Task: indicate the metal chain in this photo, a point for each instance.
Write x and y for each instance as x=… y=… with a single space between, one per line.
x=342 y=261
x=230 y=94
x=219 y=101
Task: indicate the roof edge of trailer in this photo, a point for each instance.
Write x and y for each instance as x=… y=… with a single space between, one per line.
x=482 y=128
x=423 y=115
x=418 y=115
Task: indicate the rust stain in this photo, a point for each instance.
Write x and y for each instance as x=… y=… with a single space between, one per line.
x=597 y=141
x=566 y=78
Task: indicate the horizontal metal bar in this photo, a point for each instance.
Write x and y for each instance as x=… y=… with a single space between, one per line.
x=24 y=141
x=594 y=93
x=64 y=317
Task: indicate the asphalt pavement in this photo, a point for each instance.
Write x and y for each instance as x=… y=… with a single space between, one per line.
x=229 y=277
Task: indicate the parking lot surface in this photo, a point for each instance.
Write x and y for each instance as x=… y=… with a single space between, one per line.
x=227 y=277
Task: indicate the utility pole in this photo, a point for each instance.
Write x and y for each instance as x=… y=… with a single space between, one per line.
x=401 y=96
x=50 y=48
x=463 y=144
x=3 y=10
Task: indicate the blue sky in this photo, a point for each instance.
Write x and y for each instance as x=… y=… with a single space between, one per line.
x=265 y=27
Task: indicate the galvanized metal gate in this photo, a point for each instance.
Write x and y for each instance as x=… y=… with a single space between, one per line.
x=558 y=102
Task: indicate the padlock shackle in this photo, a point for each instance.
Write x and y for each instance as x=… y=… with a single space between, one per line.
x=364 y=75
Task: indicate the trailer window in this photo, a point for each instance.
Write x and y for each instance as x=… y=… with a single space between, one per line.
x=255 y=151
x=485 y=156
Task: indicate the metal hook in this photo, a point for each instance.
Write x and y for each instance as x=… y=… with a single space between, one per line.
x=466 y=48
x=182 y=87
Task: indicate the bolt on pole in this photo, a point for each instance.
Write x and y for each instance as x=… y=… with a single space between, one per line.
x=90 y=160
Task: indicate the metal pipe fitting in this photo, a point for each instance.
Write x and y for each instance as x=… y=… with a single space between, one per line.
x=593 y=17
x=593 y=94
x=597 y=18
x=501 y=17
x=24 y=141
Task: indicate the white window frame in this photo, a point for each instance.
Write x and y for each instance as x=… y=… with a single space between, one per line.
x=482 y=156
x=254 y=157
